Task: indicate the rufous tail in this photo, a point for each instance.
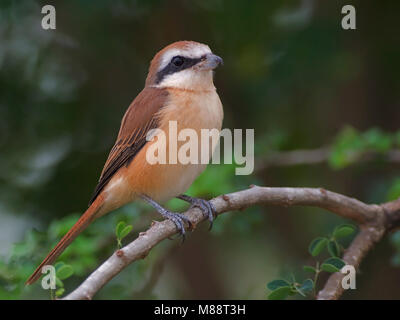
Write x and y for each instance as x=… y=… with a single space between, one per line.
x=78 y=227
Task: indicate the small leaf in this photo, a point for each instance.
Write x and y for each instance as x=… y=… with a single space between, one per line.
x=332 y=265
x=309 y=269
x=343 y=230
x=64 y=272
x=346 y=145
x=279 y=294
x=59 y=283
x=333 y=248
x=58 y=265
x=329 y=268
x=60 y=292
x=317 y=245
x=120 y=226
x=275 y=284
x=307 y=286
x=125 y=231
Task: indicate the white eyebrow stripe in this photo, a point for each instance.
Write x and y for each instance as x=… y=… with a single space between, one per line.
x=191 y=52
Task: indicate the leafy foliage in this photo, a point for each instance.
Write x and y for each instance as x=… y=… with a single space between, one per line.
x=121 y=231
x=281 y=289
x=350 y=143
x=63 y=272
x=317 y=245
x=333 y=264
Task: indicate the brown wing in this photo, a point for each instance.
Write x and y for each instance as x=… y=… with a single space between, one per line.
x=137 y=121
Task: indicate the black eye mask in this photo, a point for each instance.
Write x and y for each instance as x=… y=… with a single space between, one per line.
x=177 y=63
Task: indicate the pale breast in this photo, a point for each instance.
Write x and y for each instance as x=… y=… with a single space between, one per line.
x=193 y=110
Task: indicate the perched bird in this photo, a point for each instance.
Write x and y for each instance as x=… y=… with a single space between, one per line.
x=179 y=87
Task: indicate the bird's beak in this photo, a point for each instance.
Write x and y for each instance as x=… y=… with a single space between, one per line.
x=210 y=62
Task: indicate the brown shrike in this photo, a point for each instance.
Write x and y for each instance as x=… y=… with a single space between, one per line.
x=179 y=87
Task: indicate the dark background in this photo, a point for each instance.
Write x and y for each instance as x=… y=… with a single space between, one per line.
x=291 y=73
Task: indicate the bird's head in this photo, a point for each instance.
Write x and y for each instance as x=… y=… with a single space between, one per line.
x=184 y=65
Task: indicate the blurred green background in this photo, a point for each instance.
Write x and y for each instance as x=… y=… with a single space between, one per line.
x=291 y=73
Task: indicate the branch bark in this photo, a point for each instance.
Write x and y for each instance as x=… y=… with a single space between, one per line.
x=361 y=245
x=374 y=221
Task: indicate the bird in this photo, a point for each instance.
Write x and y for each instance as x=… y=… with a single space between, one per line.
x=179 y=87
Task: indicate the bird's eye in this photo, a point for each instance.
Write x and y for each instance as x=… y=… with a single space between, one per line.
x=177 y=61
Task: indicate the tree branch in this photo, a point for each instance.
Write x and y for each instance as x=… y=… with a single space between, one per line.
x=361 y=245
x=374 y=216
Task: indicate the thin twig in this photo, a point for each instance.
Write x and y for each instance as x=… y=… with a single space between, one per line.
x=353 y=256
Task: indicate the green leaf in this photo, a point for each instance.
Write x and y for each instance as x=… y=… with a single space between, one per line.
x=59 y=283
x=307 y=286
x=343 y=230
x=125 y=231
x=60 y=292
x=377 y=140
x=332 y=265
x=58 y=265
x=279 y=294
x=317 y=245
x=309 y=269
x=120 y=226
x=64 y=272
x=333 y=248
x=275 y=284
x=345 y=147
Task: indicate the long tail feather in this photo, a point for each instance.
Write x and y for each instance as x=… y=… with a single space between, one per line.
x=78 y=227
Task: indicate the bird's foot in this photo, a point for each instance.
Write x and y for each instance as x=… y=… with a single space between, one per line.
x=204 y=205
x=177 y=218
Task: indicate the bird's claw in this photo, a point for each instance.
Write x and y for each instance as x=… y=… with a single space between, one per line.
x=208 y=209
x=179 y=220
x=204 y=205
